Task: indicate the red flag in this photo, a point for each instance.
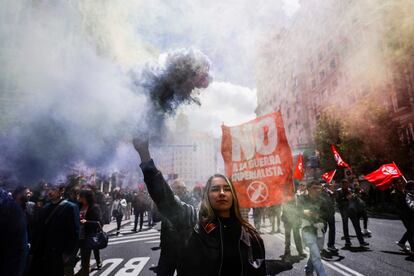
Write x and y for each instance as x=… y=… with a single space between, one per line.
x=328 y=176
x=338 y=159
x=382 y=178
x=299 y=172
x=258 y=159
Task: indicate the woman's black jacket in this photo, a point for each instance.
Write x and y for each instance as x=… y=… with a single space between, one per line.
x=201 y=247
x=93 y=218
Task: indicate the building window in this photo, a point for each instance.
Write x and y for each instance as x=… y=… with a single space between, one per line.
x=411 y=131
x=320 y=56
x=334 y=83
x=295 y=81
x=322 y=75
x=332 y=64
x=330 y=45
x=313 y=83
x=311 y=65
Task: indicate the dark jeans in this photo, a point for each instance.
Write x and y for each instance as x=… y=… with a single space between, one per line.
x=141 y=219
x=48 y=265
x=118 y=222
x=355 y=222
x=257 y=217
x=331 y=234
x=365 y=219
x=409 y=234
x=85 y=260
x=97 y=256
x=289 y=227
x=150 y=222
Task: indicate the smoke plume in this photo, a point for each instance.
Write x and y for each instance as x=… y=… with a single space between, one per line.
x=174 y=82
x=66 y=89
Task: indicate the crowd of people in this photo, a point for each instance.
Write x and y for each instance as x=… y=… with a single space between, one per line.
x=45 y=230
x=203 y=232
x=216 y=238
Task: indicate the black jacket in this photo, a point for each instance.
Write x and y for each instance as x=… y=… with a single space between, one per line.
x=201 y=246
x=13 y=236
x=58 y=235
x=93 y=218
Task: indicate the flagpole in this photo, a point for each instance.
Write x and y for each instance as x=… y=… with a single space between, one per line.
x=333 y=176
x=403 y=177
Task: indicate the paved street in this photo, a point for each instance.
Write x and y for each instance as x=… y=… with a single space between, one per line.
x=134 y=253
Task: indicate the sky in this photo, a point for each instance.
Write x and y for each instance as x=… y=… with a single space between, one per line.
x=69 y=64
x=228 y=33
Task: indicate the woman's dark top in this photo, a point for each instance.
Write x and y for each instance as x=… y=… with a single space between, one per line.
x=207 y=247
x=231 y=230
x=93 y=218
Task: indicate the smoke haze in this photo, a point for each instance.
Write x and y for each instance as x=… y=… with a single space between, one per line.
x=66 y=87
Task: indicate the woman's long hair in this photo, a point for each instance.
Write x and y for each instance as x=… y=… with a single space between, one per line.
x=89 y=196
x=207 y=212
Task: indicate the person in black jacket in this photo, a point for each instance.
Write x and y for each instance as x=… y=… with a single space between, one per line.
x=139 y=204
x=13 y=236
x=90 y=221
x=57 y=238
x=219 y=241
x=349 y=207
x=167 y=263
x=409 y=202
x=328 y=192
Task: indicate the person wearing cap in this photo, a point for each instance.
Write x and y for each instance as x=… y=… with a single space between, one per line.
x=314 y=211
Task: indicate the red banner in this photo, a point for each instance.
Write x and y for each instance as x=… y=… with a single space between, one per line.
x=328 y=176
x=338 y=159
x=299 y=171
x=382 y=178
x=258 y=159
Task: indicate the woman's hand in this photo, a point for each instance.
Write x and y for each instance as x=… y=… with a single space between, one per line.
x=83 y=221
x=141 y=145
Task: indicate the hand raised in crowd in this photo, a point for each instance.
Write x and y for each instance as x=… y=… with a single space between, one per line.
x=141 y=145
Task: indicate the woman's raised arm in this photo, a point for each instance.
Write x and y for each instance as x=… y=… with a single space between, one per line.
x=160 y=192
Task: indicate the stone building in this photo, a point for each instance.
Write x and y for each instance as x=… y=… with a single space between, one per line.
x=330 y=56
x=189 y=155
